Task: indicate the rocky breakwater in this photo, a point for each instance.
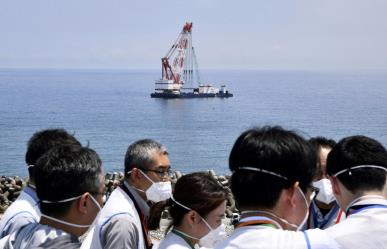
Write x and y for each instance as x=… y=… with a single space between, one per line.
x=10 y=188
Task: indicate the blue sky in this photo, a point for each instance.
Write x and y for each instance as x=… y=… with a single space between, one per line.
x=228 y=34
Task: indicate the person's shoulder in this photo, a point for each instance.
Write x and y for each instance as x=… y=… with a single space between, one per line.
x=172 y=241
x=67 y=241
x=320 y=239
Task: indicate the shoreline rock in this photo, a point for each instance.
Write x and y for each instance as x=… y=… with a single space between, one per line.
x=11 y=187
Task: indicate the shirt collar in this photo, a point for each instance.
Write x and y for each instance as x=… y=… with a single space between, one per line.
x=31 y=192
x=138 y=199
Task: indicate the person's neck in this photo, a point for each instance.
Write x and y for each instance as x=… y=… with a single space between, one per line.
x=137 y=188
x=274 y=214
x=66 y=228
x=364 y=195
x=31 y=183
x=185 y=229
x=324 y=206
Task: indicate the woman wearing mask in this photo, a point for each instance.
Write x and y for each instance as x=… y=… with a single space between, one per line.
x=197 y=208
x=324 y=210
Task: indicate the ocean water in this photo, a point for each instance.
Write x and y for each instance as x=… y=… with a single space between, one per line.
x=108 y=110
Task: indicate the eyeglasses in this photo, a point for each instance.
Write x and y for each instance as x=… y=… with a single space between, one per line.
x=161 y=173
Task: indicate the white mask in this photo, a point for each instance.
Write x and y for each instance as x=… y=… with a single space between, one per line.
x=67 y=200
x=158 y=191
x=325 y=194
x=214 y=236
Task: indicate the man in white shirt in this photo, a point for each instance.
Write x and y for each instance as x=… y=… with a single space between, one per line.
x=25 y=209
x=122 y=222
x=70 y=186
x=272 y=171
x=357 y=167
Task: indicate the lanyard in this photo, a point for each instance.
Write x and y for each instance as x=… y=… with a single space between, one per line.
x=359 y=208
x=325 y=220
x=183 y=236
x=148 y=242
x=258 y=221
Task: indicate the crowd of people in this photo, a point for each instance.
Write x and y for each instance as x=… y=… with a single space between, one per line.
x=290 y=192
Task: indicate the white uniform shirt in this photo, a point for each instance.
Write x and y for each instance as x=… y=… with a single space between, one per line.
x=120 y=210
x=31 y=236
x=264 y=237
x=173 y=241
x=365 y=228
x=24 y=210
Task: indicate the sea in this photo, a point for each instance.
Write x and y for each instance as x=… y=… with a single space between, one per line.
x=109 y=109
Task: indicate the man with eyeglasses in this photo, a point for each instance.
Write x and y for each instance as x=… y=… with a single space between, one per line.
x=122 y=222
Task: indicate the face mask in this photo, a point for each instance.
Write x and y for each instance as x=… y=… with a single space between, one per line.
x=325 y=194
x=158 y=191
x=212 y=237
x=67 y=200
x=297 y=227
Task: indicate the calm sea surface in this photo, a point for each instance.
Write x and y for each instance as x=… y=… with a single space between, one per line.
x=111 y=109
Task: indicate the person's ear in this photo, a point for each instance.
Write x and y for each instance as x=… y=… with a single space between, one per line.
x=335 y=185
x=135 y=175
x=82 y=203
x=193 y=217
x=291 y=195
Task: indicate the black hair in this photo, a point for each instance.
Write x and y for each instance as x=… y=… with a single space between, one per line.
x=318 y=143
x=65 y=172
x=44 y=140
x=140 y=154
x=354 y=151
x=273 y=149
x=198 y=191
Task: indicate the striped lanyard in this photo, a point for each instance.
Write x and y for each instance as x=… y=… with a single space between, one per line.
x=261 y=221
x=359 y=208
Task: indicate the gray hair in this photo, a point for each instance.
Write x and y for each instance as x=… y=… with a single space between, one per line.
x=140 y=154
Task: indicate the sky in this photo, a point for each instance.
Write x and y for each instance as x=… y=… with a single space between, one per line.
x=227 y=34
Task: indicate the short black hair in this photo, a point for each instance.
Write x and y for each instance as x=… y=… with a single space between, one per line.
x=354 y=151
x=44 y=140
x=140 y=154
x=318 y=142
x=273 y=149
x=65 y=172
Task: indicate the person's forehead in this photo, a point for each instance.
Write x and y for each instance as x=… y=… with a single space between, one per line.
x=324 y=152
x=160 y=160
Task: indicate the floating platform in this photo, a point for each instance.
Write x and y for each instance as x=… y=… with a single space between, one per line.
x=166 y=95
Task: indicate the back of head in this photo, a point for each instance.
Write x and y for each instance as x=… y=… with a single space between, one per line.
x=274 y=150
x=43 y=141
x=356 y=151
x=140 y=154
x=198 y=191
x=65 y=172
